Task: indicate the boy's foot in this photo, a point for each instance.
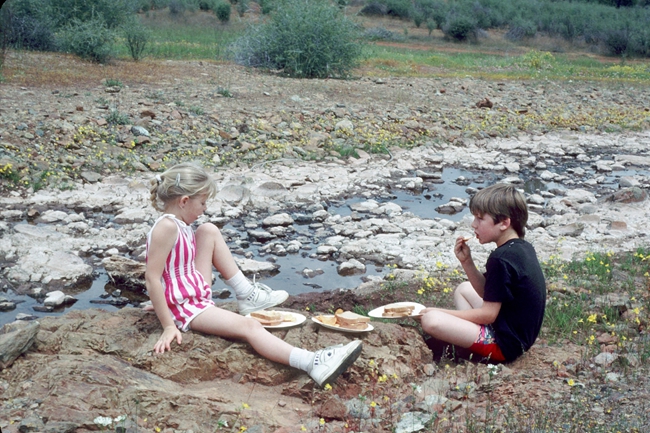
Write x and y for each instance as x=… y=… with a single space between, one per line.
x=261 y=298
x=330 y=362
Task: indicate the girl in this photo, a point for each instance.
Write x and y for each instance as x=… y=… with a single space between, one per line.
x=179 y=274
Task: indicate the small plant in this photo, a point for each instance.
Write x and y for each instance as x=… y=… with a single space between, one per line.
x=197 y=110
x=223 y=91
x=222 y=11
x=136 y=38
x=117 y=118
x=113 y=82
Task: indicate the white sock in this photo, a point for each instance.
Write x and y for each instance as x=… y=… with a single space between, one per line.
x=240 y=285
x=301 y=359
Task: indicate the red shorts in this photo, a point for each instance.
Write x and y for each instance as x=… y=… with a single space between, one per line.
x=486 y=346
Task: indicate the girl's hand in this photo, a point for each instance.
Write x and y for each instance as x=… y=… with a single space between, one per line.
x=168 y=335
x=462 y=251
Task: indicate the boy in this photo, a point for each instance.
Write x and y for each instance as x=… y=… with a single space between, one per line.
x=499 y=313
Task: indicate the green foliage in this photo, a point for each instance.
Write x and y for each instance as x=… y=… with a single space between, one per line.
x=460 y=27
x=304 y=39
x=266 y=6
x=222 y=11
x=91 y=40
x=398 y=8
x=113 y=82
x=117 y=118
x=136 y=38
x=223 y=91
x=241 y=6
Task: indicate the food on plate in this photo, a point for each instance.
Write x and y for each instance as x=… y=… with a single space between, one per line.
x=345 y=319
x=272 y=318
x=398 y=310
x=327 y=320
x=350 y=320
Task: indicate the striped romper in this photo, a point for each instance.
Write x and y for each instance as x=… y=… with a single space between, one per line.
x=186 y=291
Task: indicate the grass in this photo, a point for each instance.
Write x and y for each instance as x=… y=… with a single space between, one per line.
x=192 y=36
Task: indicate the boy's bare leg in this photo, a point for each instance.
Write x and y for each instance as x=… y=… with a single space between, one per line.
x=211 y=249
x=224 y=323
x=466 y=298
x=451 y=329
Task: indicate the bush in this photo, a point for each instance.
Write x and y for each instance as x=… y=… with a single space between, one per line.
x=398 y=8
x=177 y=7
x=266 y=6
x=460 y=28
x=521 y=28
x=28 y=26
x=374 y=9
x=136 y=37
x=241 y=6
x=305 y=39
x=222 y=10
x=90 y=40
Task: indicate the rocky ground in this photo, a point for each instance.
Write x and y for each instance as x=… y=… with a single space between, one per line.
x=74 y=199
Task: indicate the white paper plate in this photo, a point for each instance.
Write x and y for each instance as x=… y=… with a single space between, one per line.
x=299 y=320
x=340 y=328
x=378 y=312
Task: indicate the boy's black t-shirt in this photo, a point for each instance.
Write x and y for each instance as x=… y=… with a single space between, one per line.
x=515 y=278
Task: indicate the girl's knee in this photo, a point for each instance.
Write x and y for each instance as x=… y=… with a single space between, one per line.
x=207 y=229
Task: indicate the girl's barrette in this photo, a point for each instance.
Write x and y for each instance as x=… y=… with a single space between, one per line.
x=178 y=180
x=158 y=179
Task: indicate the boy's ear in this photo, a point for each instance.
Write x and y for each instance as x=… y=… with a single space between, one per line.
x=504 y=224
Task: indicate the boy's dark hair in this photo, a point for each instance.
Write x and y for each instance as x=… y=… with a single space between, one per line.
x=502 y=201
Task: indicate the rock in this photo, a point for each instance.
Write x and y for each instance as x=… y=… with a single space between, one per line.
x=630 y=195
x=140 y=131
x=252 y=267
x=605 y=358
x=91 y=176
x=351 y=267
x=15 y=339
x=344 y=125
x=281 y=219
x=125 y=272
x=412 y=422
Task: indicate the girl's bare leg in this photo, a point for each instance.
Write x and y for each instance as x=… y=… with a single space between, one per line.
x=450 y=329
x=466 y=298
x=224 y=323
x=212 y=250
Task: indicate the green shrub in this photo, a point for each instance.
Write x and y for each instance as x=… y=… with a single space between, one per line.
x=460 y=28
x=222 y=10
x=136 y=38
x=206 y=5
x=90 y=40
x=306 y=39
x=398 y=8
x=266 y=6
x=374 y=9
x=177 y=7
x=241 y=6
x=521 y=28
x=28 y=25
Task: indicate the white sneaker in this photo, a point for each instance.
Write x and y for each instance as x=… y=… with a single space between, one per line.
x=261 y=298
x=330 y=362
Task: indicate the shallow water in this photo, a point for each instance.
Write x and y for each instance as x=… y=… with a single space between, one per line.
x=454 y=183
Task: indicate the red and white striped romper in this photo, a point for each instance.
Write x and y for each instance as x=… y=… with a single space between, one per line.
x=186 y=291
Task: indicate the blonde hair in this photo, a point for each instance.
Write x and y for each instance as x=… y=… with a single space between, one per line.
x=502 y=201
x=182 y=179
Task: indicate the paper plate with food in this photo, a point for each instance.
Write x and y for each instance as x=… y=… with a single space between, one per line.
x=344 y=321
x=397 y=310
x=277 y=319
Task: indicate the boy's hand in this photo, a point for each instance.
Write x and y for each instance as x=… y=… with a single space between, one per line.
x=462 y=251
x=168 y=335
